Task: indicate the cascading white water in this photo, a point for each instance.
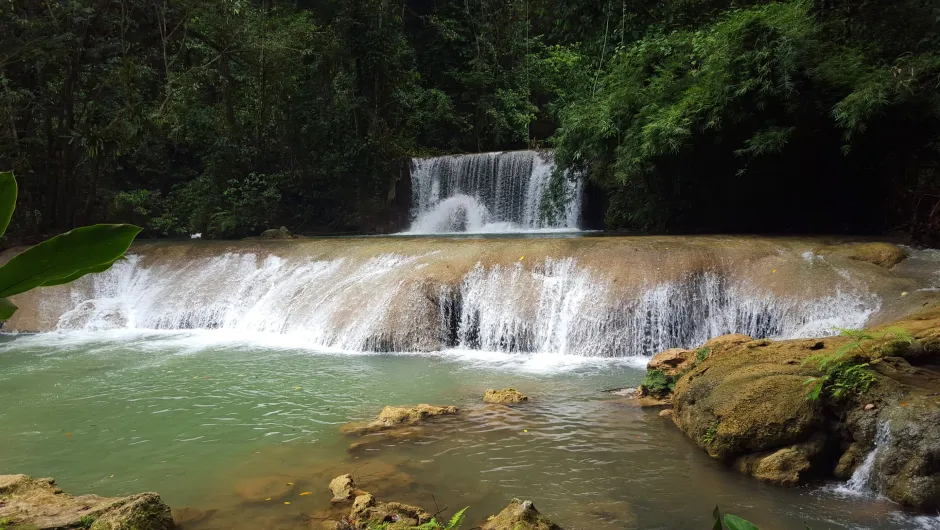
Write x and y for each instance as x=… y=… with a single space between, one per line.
x=861 y=481
x=390 y=302
x=562 y=308
x=489 y=192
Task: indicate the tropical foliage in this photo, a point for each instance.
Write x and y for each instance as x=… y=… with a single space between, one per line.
x=229 y=116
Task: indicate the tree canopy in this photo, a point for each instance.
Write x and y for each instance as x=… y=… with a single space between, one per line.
x=226 y=117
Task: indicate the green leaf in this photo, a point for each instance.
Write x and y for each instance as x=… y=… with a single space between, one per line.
x=65 y=256
x=78 y=274
x=7 y=308
x=7 y=199
x=736 y=523
x=717 y=515
x=457 y=519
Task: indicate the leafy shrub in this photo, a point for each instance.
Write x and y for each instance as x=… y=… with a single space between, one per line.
x=702 y=353
x=657 y=383
x=843 y=376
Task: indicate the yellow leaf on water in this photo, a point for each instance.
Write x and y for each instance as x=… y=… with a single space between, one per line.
x=286 y=502
x=903 y=293
x=298 y=388
x=521 y=258
x=306 y=493
x=269 y=498
x=525 y=430
x=290 y=483
x=775 y=271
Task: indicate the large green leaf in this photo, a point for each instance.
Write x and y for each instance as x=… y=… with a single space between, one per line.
x=7 y=308
x=65 y=256
x=78 y=274
x=7 y=199
x=736 y=523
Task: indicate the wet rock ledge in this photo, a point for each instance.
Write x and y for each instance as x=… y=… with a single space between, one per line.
x=38 y=503
x=753 y=404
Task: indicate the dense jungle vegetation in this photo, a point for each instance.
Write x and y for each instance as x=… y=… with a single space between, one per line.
x=230 y=116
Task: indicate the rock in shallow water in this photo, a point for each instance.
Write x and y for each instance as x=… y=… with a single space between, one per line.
x=39 y=503
x=519 y=515
x=392 y=417
x=505 y=395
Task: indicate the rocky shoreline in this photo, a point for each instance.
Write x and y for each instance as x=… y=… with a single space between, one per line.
x=791 y=412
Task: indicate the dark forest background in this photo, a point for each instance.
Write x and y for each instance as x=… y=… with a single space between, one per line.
x=227 y=117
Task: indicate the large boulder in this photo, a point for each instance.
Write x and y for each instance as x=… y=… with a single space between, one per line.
x=38 y=503
x=907 y=465
x=504 y=396
x=519 y=515
x=749 y=404
x=748 y=397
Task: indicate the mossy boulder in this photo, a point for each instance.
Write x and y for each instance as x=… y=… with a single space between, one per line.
x=519 y=515
x=38 y=503
x=505 y=396
x=749 y=404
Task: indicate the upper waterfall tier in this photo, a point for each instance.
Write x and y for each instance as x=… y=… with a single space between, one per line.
x=597 y=297
x=492 y=192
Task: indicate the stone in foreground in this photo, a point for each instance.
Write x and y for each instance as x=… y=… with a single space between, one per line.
x=505 y=395
x=39 y=503
x=519 y=515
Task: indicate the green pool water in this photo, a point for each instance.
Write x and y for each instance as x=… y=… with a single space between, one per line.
x=219 y=426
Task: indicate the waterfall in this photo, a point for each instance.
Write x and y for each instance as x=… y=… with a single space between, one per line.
x=861 y=482
x=356 y=296
x=490 y=192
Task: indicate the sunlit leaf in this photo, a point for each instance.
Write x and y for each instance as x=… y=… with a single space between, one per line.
x=66 y=256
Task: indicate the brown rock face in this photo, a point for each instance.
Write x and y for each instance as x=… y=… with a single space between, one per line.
x=40 y=504
x=343 y=488
x=519 y=515
x=505 y=395
x=672 y=362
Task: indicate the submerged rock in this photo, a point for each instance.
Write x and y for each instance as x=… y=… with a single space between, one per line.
x=505 y=395
x=39 y=503
x=392 y=417
x=519 y=515
x=885 y=255
x=277 y=233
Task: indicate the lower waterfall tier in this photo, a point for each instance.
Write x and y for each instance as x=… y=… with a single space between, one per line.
x=596 y=297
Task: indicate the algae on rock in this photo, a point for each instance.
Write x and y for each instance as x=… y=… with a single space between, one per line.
x=505 y=395
x=39 y=503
